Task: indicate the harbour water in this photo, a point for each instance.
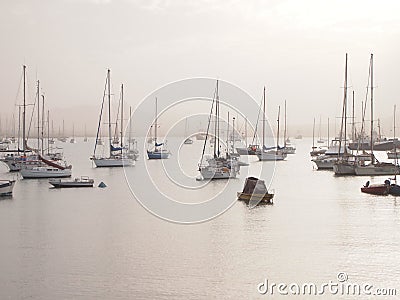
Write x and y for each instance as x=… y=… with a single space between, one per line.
x=102 y=244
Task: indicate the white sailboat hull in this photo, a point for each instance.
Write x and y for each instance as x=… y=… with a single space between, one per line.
x=45 y=172
x=113 y=162
x=376 y=170
x=6 y=187
x=344 y=168
x=271 y=155
x=325 y=163
x=217 y=173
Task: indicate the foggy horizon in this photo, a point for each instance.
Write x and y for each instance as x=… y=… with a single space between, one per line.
x=297 y=50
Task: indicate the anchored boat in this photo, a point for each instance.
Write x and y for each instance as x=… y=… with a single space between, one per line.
x=6 y=187
x=84 y=181
x=255 y=192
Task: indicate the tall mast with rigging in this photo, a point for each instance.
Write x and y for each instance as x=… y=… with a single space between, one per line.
x=24 y=114
x=372 y=109
x=155 y=128
x=277 y=134
x=122 y=116
x=109 y=110
x=264 y=114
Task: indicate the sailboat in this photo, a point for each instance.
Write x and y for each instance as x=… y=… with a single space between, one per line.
x=375 y=167
x=287 y=147
x=72 y=141
x=216 y=166
x=6 y=187
x=266 y=154
x=39 y=166
x=116 y=156
x=253 y=148
x=158 y=151
x=345 y=164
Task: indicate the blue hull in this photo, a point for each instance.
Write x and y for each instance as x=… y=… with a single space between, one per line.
x=157 y=155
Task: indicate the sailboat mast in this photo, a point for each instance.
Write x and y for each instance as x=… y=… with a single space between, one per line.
x=38 y=116
x=372 y=109
x=109 y=110
x=319 y=130
x=394 y=123
x=48 y=132
x=42 y=132
x=313 y=135
x=344 y=116
x=216 y=121
x=155 y=127
x=328 y=134
x=234 y=132
x=284 y=132
x=345 y=107
x=353 y=130
x=277 y=133
x=19 y=124
x=227 y=137
x=130 y=128
x=264 y=113
x=24 y=114
x=122 y=115
x=217 y=136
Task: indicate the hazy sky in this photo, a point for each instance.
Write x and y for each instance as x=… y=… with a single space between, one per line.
x=295 y=48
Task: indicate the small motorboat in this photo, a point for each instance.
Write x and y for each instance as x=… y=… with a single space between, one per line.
x=84 y=181
x=376 y=189
x=255 y=192
x=6 y=187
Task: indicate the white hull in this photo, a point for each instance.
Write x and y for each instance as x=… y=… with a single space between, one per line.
x=289 y=150
x=45 y=172
x=113 y=162
x=271 y=155
x=217 y=173
x=376 y=170
x=344 y=168
x=324 y=163
x=6 y=187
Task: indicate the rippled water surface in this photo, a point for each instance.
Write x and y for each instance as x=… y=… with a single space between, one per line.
x=102 y=244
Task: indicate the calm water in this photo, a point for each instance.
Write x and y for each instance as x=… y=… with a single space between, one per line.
x=102 y=244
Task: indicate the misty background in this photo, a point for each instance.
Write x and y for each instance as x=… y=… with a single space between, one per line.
x=295 y=48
